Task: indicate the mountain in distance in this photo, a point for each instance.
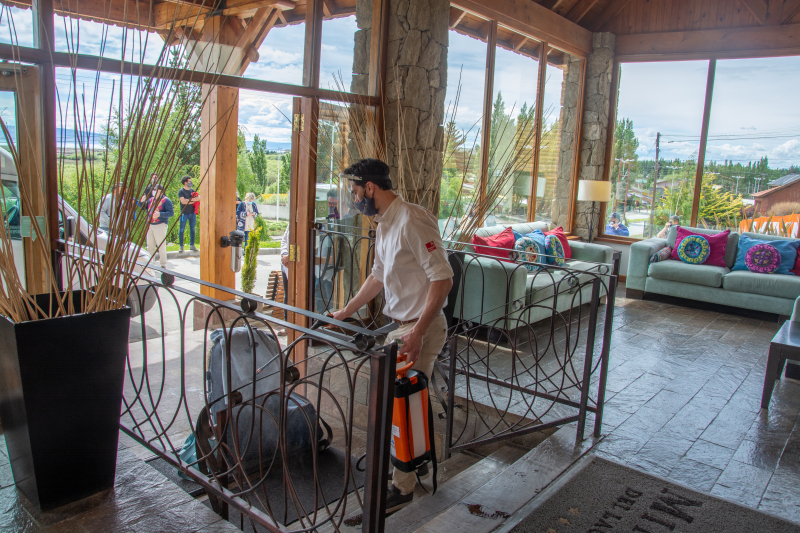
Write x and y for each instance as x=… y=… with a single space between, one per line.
x=68 y=138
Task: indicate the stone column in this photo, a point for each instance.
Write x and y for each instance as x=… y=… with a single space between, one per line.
x=596 y=102
x=570 y=95
x=415 y=94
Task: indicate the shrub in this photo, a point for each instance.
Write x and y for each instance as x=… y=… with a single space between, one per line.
x=784 y=208
x=250 y=261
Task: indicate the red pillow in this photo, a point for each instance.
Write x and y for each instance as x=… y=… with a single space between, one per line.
x=559 y=232
x=717 y=243
x=505 y=239
x=796 y=268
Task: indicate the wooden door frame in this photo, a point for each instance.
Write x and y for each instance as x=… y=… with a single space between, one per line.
x=26 y=86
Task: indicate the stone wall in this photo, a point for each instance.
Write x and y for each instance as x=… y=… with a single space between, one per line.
x=570 y=96
x=415 y=91
x=596 y=102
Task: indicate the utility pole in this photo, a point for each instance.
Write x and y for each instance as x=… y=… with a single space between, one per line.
x=627 y=188
x=737 y=178
x=655 y=184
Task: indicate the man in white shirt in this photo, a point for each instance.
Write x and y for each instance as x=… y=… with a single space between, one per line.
x=412 y=269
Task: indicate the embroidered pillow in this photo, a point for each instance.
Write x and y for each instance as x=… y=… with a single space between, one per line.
x=559 y=232
x=786 y=248
x=661 y=255
x=554 y=250
x=694 y=250
x=796 y=268
x=489 y=245
x=763 y=258
x=717 y=244
x=530 y=250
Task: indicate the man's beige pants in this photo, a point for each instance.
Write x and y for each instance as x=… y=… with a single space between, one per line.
x=157 y=239
x=432 y=344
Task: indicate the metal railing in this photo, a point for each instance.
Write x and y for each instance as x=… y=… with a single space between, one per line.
x=246 y=437
x=535 y=360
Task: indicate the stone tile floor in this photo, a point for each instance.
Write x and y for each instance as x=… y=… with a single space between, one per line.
x=142 y=501
x=684 y=398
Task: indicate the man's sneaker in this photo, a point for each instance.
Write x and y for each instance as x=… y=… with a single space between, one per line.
x=181 y=249
x=396 y=501
x=193 y=248
x=156 y=256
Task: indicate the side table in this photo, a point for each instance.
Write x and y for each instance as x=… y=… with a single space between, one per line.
x=785 y=346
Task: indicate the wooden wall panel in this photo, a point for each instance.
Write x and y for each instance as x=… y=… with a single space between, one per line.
x=655 y=16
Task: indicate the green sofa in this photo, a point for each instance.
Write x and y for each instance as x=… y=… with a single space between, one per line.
x=490 y=286
x=769 y=293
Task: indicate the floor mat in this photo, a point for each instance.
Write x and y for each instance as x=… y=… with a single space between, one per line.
x=602 y=495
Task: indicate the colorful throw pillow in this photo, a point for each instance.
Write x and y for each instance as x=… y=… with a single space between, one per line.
x=694 y=250
x=763 y=258
x=517 y=235
x=796 y=269
x=559 y=232
x=489 y=245
x=554 y=249
x=530 y=250
x=661 y=255
x=786 y=248
x=717 y=244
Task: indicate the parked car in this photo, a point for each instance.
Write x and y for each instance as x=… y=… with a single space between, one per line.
x=12 y=211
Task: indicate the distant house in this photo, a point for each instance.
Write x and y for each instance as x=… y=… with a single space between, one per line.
x=784 y=180
x=785 y=189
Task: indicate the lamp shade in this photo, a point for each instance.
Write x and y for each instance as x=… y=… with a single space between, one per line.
x=594 y=191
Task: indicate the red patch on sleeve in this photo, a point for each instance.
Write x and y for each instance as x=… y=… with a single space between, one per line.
x=430 y=246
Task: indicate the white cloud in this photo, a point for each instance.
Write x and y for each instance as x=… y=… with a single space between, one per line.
x=789 y=149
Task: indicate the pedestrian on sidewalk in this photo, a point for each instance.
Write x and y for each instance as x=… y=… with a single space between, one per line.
x=412 y=270
x=160 y=210
x=190 y=205
x=246 y=215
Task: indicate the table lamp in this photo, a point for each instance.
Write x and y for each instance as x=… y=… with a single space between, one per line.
x=593 y=191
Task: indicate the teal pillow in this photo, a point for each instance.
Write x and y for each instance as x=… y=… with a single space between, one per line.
x=694 y=250
x=529 y=250
x=555 y=250
x=786 y=248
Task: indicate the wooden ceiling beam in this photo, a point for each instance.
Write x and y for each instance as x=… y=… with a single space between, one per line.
x=552 y=5
x=758 y=8
x=167 y=13
x=528 y=17
x=759 y=41
x=521 y=42
x=580 y=9
x=789 y=9
x=611 y=11
x=456 y=16
x=774 y=12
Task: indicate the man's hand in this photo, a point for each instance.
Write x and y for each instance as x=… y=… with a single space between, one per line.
x=343 y=314
x=285 y=260
x=412 y=345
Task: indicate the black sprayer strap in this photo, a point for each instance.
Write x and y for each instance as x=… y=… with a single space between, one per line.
x=432 y=437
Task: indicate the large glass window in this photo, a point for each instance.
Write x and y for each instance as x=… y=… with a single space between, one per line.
x=557 y=150
x=513 y=121
x=753 y=150
x=280 y=56
x=16 y=26
x=344 y=58
x=660 y=110
x=466 y=77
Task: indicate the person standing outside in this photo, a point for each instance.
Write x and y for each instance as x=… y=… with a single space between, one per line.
x=412 y=269
x=161 y=210
x=189 y=200
x=285 y=275
x=674 y=220
x=246 y=215
x=615 y=227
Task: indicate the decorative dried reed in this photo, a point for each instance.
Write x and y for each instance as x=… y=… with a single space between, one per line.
x=157 y=118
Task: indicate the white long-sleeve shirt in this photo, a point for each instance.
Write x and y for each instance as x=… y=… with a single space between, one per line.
x=409 y=256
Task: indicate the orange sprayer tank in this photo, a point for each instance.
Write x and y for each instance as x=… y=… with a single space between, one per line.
x=412 y=424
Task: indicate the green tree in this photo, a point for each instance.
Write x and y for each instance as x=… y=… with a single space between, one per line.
x=285 y=176
x=258 y=162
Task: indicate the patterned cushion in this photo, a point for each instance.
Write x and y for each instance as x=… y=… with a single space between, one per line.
x=694 y=249
x=661 y=255
x=529 y=251
x=763 y=258
x=555 y=250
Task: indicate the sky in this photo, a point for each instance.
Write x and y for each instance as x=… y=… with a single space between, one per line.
x=755 y=111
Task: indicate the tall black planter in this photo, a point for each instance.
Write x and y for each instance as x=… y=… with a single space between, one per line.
x=61 y=385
